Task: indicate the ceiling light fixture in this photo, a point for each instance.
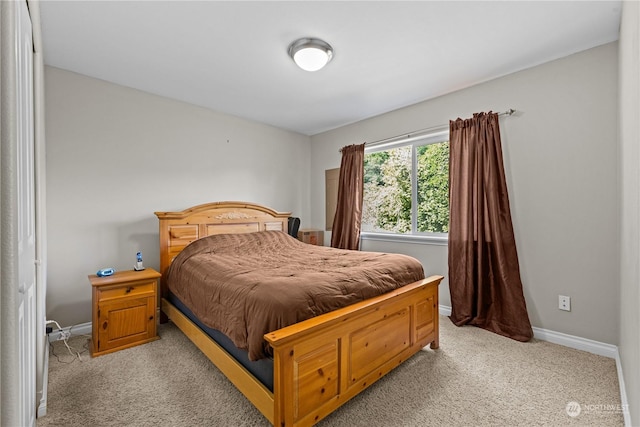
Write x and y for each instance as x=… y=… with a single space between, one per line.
x=310 y=54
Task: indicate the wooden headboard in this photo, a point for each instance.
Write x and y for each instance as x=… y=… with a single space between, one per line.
x=178 y=229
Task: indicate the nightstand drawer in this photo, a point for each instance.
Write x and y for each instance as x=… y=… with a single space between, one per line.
x=128 y=290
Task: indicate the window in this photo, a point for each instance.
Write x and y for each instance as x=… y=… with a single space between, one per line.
x=406 y=187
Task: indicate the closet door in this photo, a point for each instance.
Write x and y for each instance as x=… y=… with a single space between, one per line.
x=26 y=217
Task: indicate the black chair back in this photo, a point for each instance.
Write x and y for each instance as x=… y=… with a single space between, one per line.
x=294 y=225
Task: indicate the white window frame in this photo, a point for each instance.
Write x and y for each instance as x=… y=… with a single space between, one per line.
x=434 y=136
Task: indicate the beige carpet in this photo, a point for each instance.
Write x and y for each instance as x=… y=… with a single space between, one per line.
x=476 y=378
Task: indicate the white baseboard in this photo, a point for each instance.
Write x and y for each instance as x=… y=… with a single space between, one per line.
x=42 y=406
x=623 y=393
x=80 y=329
x=445 y=310
x=579 y=343
x=571 y=341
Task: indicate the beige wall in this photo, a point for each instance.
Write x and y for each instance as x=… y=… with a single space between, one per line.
x=629 y=345
x=561 y=161
x=115 y=155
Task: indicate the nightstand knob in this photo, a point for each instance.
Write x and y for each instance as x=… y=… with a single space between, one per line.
x=150 y=317
x=129 y=289
x=104 y=325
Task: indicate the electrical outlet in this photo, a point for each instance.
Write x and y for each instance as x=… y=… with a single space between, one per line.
x=564 y=303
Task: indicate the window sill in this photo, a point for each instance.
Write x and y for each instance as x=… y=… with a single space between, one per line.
x=441 y=240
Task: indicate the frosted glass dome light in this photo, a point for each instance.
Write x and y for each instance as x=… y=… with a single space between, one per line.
x=310 y=54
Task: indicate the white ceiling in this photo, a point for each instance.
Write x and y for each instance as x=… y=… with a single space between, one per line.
x=232 y=56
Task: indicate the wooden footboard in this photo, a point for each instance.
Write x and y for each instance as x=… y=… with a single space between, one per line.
x=321 y=363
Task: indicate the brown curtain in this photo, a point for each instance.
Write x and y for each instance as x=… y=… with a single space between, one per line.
x=484 y=275
x=345 y=232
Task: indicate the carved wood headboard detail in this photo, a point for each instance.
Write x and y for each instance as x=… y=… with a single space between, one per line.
x=178 y=229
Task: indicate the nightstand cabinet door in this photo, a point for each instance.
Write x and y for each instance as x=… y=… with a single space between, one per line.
x=125 y=321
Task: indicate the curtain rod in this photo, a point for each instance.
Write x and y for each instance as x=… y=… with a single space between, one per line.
x=408 y=135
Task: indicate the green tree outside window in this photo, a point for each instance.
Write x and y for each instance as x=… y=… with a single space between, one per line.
x=388 y=190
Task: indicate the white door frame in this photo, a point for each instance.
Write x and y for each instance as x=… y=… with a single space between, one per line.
x=17 y=408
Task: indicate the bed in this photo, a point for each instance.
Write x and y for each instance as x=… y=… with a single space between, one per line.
x=316 y=364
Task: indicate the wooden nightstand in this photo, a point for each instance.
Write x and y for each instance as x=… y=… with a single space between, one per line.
x=124 y=310
x=311 y=236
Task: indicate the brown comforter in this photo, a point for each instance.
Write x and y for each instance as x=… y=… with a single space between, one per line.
x=246 y=285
